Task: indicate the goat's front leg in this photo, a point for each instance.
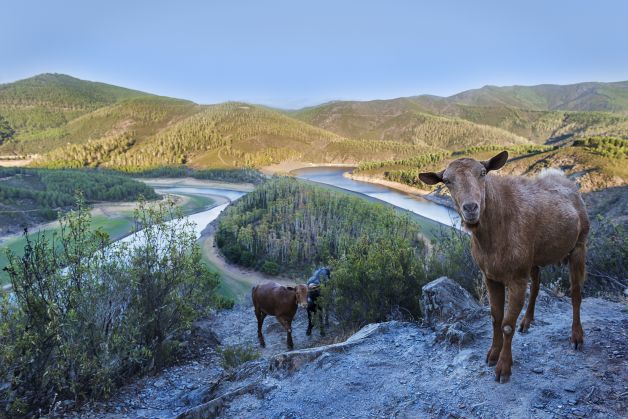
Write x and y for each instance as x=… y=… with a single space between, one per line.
x=516 y=298
x=309 y=322
x=287 y=324
x=496 y=297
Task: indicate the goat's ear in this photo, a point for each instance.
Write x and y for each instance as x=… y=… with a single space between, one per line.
x=431 y=178
x=496 y=162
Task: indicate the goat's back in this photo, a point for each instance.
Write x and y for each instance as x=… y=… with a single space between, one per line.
x=541 y=218
x=274 y=299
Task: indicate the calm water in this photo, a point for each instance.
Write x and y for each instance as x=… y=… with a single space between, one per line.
x=334 y=176
x=330 y=176
x=200 y=220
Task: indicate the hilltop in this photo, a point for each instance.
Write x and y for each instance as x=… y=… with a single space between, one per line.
x=77 y=123
x=498 y=111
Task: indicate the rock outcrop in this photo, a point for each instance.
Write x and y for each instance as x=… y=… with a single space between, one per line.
x=409 y=370
x=448 y=309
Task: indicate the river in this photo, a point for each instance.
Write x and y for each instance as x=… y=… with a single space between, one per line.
x=333 y=176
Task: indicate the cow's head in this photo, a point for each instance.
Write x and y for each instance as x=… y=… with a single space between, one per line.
x=465 y=179
x=301 y=293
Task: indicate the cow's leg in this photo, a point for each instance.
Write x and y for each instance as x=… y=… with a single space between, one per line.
x=260 y=322
x=309 y=322
x=534 y=292
x=577 y=274
x=496 y=297
x=287 y=324
x=516 y=298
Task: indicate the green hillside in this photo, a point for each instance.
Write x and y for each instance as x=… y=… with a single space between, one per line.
x=415 y=119
x=37 y=109
x=76 y=123
x=590 y=96
x=596 y=163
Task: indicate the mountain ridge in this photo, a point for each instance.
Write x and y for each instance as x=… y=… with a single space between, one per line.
x=76 y=122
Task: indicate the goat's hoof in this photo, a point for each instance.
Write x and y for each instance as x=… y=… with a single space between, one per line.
x=577 y=337
x=308 y=333
x=322 y=333
x=492 y=356
x=503 y=371
x=525 y=325
x=263 y=345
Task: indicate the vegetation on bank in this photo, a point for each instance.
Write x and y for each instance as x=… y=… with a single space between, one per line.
x=595 y=162
x=289 y=226
x=243 y=175
x=86 y=315
x=406 y=171
x=378 y=256
x=29 y=196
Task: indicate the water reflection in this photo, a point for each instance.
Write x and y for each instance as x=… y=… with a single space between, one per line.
x=416 y=204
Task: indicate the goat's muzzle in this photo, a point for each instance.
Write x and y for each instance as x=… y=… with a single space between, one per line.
x=471 y=213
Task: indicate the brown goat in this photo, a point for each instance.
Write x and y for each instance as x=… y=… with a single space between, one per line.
x=276 y=300
x=518 y=224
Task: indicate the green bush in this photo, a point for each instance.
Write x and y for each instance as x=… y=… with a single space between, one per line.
x=451 y=257
x=376 y=280
x=86 y=315
x=234 y=356
x=270 y=267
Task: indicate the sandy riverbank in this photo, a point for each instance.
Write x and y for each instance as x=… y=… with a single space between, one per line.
x=284 y=168
x=193 y=182
x=438 y=199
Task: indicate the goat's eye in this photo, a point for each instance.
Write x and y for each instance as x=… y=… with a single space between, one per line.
x=483 y=173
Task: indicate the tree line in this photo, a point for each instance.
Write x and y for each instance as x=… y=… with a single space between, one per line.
x=34 y=195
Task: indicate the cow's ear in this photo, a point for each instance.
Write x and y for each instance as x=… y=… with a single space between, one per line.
x=431 y=178
x=496 y=162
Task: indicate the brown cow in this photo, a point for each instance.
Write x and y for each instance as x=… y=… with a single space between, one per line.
x=518 y=224
x=276 y=300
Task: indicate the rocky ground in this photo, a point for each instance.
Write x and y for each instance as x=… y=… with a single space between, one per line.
x=397 y=369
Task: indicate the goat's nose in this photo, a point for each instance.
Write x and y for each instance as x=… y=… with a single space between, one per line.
x=472 y=207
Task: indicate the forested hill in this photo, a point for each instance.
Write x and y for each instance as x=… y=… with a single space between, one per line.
x=289 y=226
x=31 y=196
x=76 y=123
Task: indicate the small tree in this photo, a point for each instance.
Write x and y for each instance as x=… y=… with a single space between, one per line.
x=85 y=314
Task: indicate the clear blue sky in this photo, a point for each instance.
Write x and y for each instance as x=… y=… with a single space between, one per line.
x=296 y=53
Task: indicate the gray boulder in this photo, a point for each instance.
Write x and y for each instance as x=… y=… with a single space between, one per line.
x=448 y=309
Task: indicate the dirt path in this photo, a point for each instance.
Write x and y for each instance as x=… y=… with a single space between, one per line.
x=238 y=279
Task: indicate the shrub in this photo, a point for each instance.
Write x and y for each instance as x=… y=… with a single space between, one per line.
x=607 y=256
x=86 y=314
x=375 y=280
x=234 y=356
x=270 y=267
x=451 y=257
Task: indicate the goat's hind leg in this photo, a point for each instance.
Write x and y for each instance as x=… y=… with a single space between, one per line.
x=260 y=322
x=576 y=275
x=534 y=292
